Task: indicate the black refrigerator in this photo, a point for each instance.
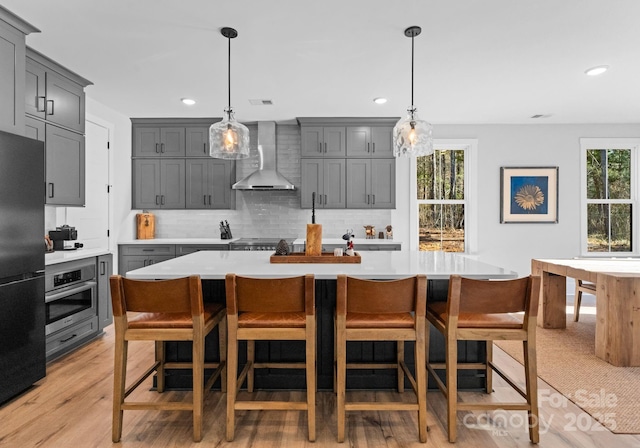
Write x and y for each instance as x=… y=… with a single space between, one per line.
x=22 y=310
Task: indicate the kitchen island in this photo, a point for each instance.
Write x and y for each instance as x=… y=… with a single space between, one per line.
x=212 y=266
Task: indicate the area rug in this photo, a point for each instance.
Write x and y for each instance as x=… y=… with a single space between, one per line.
x=567 y=362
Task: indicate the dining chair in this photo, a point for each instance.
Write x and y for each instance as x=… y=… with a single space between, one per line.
x=581 y=286
x=270 y=309
x=159 y=311
x=486 y=310
x=376 y=310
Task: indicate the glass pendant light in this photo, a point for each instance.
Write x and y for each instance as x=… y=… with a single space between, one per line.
x=229 y=139
x=412 y=136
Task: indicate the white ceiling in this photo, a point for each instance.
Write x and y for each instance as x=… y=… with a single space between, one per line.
x=477 y=61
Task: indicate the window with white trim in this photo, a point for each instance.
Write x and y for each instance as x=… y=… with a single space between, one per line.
x=442 y=203
x=610 y=194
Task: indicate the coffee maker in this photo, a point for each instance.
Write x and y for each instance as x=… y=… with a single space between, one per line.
x=64 y=238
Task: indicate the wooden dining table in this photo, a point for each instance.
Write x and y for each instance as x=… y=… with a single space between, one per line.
x=617 y=281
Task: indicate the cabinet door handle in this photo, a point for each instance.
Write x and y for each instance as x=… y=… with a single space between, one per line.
x=150 y=263
x=161 y=199
x=162 y=147
x=320 y=199
x=373 y=147
x=368 y=147
x=39 y=108
x=50 y=189
x=325 y=147
x=157 y=199
x=69 y=338
x=374 y=199
x=103 y=268
x=209 y=199
x=147 y=250
x=157 y=147
x=325 y=199
x=319 y=146
x=49 y=109
x=204 y=147
x=368 y=199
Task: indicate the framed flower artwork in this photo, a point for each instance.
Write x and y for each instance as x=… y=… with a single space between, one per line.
x=529 y=194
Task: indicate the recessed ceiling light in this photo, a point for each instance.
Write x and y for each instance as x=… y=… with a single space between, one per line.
x=379 y=100
x=188 y=101
x=595 y=71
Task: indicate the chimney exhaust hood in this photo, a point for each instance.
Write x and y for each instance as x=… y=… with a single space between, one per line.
x=266 y=177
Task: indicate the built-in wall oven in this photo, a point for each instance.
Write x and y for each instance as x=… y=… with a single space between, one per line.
x=70 y=294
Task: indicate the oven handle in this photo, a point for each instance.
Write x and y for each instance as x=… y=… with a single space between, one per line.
x=67 y=292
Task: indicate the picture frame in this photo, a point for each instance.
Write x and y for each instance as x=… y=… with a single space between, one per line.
x=529 y=195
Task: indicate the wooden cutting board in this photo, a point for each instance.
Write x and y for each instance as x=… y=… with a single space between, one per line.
x=146 y=226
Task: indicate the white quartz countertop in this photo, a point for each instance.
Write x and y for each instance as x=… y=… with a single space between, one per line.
x=356 y=241
x=60 y=256
x=179 y=241
x=375 y=265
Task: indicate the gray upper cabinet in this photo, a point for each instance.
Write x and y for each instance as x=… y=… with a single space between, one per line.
x=54 y=93
x=159 y=183
x=209 y=183
x=54 y=107
x=371 y=183
x=197 y=140
x=366 y=141
x=12 y=81
x=158 y=141
x=325 y=177
x=64 y=166
x=319 y=141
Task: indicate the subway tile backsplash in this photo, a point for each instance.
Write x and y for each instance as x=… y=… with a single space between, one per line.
x=268 y=214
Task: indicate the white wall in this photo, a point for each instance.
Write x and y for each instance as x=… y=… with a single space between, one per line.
x=509 y=245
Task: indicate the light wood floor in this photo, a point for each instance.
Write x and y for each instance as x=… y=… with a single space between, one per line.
x=71 y=407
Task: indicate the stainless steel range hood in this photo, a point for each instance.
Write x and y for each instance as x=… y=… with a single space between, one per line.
x=267 y=176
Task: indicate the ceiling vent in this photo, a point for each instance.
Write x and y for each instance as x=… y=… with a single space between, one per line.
x=261 y=102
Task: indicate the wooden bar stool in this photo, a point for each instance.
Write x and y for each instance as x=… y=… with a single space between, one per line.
x=479 y=310
x=270 y=309
x=581 y=286
x=169 y=310
x=370 y=310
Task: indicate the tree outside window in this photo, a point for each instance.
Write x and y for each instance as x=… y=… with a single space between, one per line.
x=441 y=200
x=609 y=205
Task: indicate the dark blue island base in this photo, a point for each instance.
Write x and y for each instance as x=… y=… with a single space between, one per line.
x=285 y=351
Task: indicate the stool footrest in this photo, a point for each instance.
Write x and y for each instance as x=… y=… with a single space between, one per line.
x=272 y=405
x=161 y=405
x=380 y=406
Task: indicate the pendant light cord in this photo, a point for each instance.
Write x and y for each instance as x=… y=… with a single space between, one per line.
x=412 y=37
x=229 y=71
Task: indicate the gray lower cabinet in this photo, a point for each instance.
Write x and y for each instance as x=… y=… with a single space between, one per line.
x=104 y=269
x=209 y=184
x=65 y=166
x=371 y=183
x=159 y=183
x=71 y=338
x=326 y=178
x=135 y=256
x=184 y=249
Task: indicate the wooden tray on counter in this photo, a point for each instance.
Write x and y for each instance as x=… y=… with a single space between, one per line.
x=300 y=257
